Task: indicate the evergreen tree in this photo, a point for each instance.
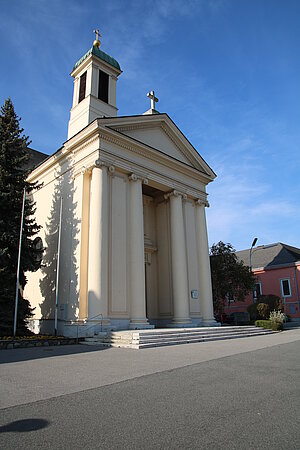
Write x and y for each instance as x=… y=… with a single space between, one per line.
x=13 y=158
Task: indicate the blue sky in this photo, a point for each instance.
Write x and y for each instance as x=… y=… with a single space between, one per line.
x=226 y=71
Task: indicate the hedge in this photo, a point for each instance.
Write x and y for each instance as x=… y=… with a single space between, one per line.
x=269 y=325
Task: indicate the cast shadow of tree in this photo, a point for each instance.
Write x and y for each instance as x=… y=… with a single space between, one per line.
x=68 y=278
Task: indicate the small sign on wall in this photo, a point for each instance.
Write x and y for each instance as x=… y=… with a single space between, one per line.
x=195 y=294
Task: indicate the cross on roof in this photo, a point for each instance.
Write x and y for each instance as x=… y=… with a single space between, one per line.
x=97 y=34
x=152 y=98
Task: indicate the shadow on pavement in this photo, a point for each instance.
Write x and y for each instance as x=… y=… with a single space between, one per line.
x=25 y=425
x=27 y=354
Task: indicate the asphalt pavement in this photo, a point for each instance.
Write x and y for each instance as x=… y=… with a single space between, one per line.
x=241 y=394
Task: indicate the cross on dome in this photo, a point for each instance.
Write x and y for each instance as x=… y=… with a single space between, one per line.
x=97 y=43
x=153 y=99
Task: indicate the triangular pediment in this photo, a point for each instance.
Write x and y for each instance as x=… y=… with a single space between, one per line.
x=157 y=137
x=159 y=132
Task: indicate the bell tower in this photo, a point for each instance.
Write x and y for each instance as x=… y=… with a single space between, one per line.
x=95 y=86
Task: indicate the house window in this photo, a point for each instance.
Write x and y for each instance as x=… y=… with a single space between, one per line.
x=82 y=87
x=103 y=86
x=285 y=287
x=292 y=309
x=257 y=291
x=230 y=298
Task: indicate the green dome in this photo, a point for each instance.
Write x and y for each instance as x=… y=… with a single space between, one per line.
x=100 y=54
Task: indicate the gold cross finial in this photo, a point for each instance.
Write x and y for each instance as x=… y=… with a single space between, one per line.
x=97 y=43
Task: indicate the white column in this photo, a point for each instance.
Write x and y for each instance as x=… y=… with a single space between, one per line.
x=205 y=294
x=136 y=255
x=179 y=262
x=98 y=246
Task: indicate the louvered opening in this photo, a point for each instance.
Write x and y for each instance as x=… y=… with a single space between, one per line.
x=103 y=86
x=82 y=87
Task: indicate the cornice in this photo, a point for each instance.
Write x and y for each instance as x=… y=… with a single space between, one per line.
x=97 y=132
x=129 y=167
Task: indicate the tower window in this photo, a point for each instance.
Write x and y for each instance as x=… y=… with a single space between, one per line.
x=82 y=87
x=103 y=86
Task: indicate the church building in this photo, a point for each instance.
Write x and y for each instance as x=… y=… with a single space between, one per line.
x=131 y=195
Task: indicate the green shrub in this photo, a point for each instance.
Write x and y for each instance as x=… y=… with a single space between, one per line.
x=263 y=311
x=269 y=325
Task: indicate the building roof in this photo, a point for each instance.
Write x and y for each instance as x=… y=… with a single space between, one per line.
x=270 y=256
x=35 y=158
x=100 y=54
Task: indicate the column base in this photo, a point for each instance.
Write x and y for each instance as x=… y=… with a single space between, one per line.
x=210 y=323
x=182 y=323
x=140 y=324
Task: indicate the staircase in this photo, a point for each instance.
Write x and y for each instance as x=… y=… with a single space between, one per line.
x=138 y=339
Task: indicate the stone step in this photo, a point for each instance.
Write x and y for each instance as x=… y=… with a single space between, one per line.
x=186 y=332
x=161 y=337
x=138 y=339
x=207 y=339
x=212 y=336
x=198 y=337
x=170 y=337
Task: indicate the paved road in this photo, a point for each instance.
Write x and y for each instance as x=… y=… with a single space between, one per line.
x=242 y=394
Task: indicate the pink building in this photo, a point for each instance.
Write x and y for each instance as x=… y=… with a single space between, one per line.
x=277 y=268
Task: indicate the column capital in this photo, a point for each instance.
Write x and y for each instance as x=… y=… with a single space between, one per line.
x=175 y=193
x=202 y=202
x=135 y=177
x=111 y=169
x=104 y=165
x=99 y=163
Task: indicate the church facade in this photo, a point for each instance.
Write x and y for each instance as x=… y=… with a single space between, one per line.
x=132 y=196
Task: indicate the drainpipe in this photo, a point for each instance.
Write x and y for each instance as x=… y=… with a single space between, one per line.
x=297 y=290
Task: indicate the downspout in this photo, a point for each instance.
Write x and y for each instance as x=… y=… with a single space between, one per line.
x=297 y=290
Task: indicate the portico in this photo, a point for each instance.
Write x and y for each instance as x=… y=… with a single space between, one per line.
x=146 y=240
